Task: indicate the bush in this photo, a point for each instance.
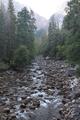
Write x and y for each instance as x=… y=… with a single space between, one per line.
x=3 y=66
x=78 y=71
x=60 y=52
x=21 y=57
x=73 y=52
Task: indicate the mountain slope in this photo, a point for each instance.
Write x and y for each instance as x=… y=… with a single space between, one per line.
x=58 y=17
x=41 y=22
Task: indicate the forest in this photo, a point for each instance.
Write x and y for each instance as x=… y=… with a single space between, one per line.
x=17 y=36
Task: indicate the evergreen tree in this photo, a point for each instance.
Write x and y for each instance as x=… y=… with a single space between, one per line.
x=15 y=33
x=2 y=30
x=72 y=25
x=72 y=19
x=25 y=29
x=56 y=40
x=11 y=31
x=53 y=37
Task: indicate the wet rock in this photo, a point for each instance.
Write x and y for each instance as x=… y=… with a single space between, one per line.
x=32 y=115
x=6 y=110
x=39 y=77
x=77 y=95
x=28 y=100
x=64 y=101
x=36 y=103
x=61 y=111
x=40 y=88
x=13 y=116
x=50 y=92
x=70 y=72
x=23 y=106
x=32 y=107
x=40 y=95
x=45 y=88
x=34 y=87
x=23 y=97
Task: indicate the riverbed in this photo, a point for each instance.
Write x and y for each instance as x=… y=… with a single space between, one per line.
x=46 y=90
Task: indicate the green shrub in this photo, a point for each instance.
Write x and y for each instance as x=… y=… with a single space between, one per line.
x=21 y=57
x=73 y=52
x=3 y=66
x=60 y=52
x=78 y=71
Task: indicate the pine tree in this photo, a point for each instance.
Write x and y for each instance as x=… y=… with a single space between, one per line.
x=53 y=37
x=72 y=19
x=11 y=31
x=25 y=29
x=2 y=31
x=72 y=25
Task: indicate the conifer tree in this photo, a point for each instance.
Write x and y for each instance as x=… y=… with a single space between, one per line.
x=11 y=32
x=72 y=25
x=2 y=30
x=25 y=28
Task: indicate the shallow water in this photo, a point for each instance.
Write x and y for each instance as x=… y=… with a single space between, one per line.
x=38 y=77
x=73 y=82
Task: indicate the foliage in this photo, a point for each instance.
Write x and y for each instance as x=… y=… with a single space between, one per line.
x=11 y=30
x=37 y=44
x=3 y=66
x=56 y=38
x=25 y=29
x=41 y=42
x=15 y=31
x=73 y=52
x=21 y=57
x=72 y=25
x=2 y=31
x=43 y=46
x=78 y=71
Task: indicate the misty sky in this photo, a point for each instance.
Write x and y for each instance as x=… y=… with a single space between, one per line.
x=45 y=8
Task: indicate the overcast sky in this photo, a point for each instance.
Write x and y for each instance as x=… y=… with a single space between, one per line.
x=45 y=8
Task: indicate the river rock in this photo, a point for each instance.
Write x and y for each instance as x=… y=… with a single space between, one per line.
x=32 y=107
x=13 y=116
x=36 y=103
x=77 y=95
x=6 y=110
x=23 y=106
x=40 y=95
x=23 y=97
x=28 y=100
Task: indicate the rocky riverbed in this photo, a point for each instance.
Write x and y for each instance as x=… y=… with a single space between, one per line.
x=46 y=90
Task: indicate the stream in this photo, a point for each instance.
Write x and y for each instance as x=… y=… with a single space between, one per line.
x=39 y=96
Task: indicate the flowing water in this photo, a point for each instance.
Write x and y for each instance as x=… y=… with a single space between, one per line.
x=36 y=101
x=39 y=81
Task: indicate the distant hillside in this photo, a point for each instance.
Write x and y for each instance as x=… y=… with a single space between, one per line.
x=44 y=24
x=58 y=18
x=41 y=22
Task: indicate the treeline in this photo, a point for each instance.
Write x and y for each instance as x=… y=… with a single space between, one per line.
x=64 y=42
x=16 y=35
